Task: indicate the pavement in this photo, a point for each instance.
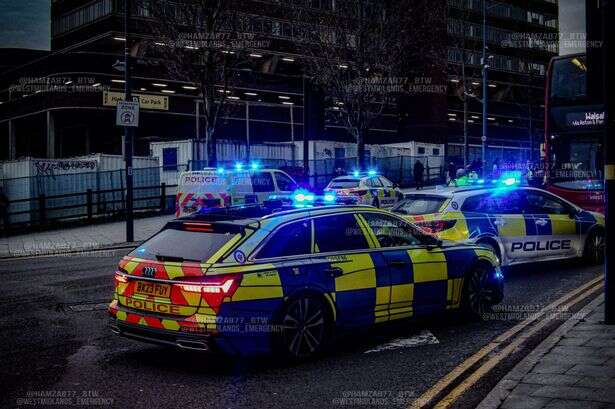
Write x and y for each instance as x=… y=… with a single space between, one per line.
x=77 y=239
x=574 y=367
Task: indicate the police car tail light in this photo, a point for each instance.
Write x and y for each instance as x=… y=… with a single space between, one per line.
x=119 y=278
x=436 y=226
x=213 y=288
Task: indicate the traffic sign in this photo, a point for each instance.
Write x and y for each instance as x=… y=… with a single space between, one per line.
x=127 y=113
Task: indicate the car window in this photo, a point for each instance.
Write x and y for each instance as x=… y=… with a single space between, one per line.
x=508 y=202
x=539 y=202
x=338 y=233
x=419 y=204
x=262 y=182
x=393 y=232
x=386 y=182
x=285 y=184
x=375 y=182
x=182 y=245
x=343 y=183
x=291 y=240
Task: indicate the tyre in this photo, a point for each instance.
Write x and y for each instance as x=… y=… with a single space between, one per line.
x=593 y=252
x=479 y=292
x=305 y=328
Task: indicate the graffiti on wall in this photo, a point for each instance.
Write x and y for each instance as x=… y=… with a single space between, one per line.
x=54 y=167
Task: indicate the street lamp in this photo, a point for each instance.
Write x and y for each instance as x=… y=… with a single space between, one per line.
x=128 y=135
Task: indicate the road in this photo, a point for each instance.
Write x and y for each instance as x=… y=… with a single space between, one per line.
x=55 y=338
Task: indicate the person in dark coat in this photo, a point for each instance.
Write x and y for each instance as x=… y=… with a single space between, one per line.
x=451 y=172
x=419 y=169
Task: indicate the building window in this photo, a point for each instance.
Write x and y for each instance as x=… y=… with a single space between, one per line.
x=436 y=151
x=169 y=159
x=421 y=151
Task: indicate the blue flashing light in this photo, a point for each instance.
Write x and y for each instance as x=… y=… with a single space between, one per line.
x=239 y=166
x=371 y=172
x=329 y=198
x=220 y=171
x=302 y=196
x=481 y=181
x=509 y=181
x=254 y=165
x=355 y=173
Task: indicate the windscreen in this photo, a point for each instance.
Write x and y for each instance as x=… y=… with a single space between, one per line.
x=344 y=183
x=419 y=204
x=569 y=79
x=180 y=245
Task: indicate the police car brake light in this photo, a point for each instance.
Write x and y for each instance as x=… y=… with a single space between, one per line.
x=198 y=227
x=213 y=288
x=120 y=278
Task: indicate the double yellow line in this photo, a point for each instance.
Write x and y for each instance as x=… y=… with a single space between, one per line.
x=428 y=399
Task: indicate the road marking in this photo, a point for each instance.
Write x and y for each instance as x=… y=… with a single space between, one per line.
x=452 y=376
x=497 y=358
x=424 y=338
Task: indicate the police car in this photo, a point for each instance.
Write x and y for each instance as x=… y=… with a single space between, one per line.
x=520 y=224
x=220 y=187
x=290 y=281
x=364 y=188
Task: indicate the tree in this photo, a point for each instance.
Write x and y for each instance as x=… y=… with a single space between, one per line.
x=361 y=53
x=202 y=42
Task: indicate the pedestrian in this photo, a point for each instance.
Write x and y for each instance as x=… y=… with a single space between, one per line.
x=4 y=211
x=495 y=170
x=451 y=173
x=419 y=169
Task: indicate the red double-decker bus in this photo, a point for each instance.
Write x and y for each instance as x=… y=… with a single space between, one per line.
x=574 y=126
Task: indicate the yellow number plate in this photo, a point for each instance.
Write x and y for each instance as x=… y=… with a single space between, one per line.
x=155 y=289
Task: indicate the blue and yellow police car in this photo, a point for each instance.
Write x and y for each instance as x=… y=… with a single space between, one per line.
x=291 y=280
x=520 y=224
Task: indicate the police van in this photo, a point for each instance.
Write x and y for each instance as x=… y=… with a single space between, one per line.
x=211 y=188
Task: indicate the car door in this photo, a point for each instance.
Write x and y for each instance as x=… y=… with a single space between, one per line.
x=285 y=185
x=418 y=277
x=262 y=185
x=343 y=256
x=514 y=228
x=390 y=193
x=555 y=225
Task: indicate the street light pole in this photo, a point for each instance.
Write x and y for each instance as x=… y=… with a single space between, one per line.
x=128 y=135
x=485 y=89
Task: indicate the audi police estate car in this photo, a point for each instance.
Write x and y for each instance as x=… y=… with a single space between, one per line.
x=520 y=224
x=364 y=189
x=291 y=280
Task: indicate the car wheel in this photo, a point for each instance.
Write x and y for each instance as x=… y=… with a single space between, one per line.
x=594 y=247
x=479 y=295
x=305 y=328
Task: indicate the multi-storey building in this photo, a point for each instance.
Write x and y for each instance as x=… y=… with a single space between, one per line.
x=76 y=114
